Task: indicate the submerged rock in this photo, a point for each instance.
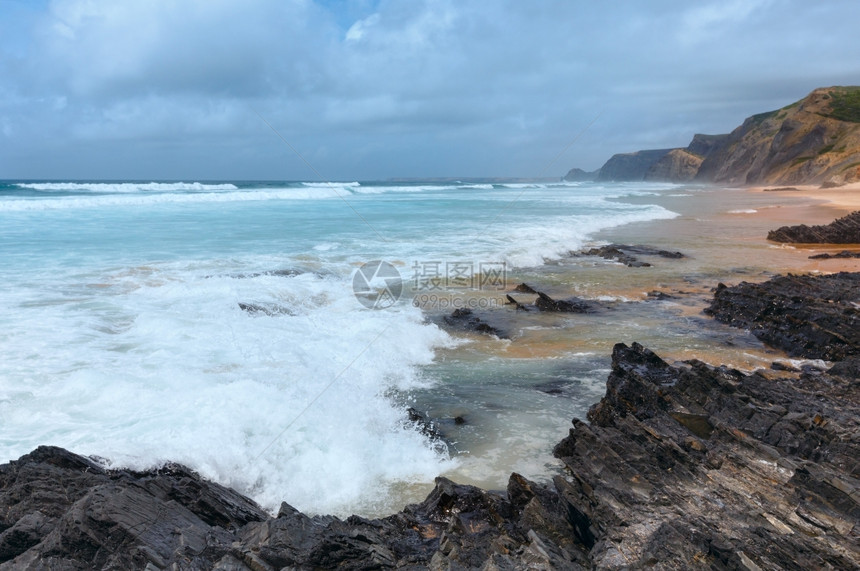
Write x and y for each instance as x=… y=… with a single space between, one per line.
x=626 y=254
x=844 y=254
x=546 y=303
x=269 y=309
x=464 y=319
x=569 y=305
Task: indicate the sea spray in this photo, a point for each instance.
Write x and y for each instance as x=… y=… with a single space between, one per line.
x=130 y=331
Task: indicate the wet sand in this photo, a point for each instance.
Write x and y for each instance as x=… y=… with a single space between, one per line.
x=518 y=395
x=722 y=233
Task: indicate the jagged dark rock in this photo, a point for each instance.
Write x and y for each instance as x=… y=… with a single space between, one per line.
x=843 y=255
x=807 y=316
x=519 y=306
x=546 y=303
x=845 y=230
x=683 y=466
x=626 y=254
x=525 y=288
x=464 y=319
x=62 y=511
x=659 y=295
x=569 y=305
x=692 y=466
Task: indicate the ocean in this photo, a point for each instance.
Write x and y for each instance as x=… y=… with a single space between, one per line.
x=217 y=324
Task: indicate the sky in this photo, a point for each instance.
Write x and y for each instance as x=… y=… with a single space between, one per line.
x=378 y=89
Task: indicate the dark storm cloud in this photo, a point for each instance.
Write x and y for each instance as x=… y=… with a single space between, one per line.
x=164 y=89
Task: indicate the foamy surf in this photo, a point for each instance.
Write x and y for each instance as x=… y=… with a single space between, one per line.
x=163 y=365
x=217 y=327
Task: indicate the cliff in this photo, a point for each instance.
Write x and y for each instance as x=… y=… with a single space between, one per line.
x=630 y=166
x=678 y=165
x=579 y=175
x=813 y=141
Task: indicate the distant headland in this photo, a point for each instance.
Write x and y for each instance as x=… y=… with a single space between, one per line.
x=813 y=141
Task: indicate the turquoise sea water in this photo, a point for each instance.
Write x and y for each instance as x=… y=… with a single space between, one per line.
x=122 y=331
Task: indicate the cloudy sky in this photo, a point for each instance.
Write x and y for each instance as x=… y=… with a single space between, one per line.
x=372 y=89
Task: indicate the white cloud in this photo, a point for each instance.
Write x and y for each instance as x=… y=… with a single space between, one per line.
x=358 y=30
x=707 y=20
x=463 y=88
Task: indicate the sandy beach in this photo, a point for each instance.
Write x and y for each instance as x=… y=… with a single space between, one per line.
x=844 y=198
x=722 y=234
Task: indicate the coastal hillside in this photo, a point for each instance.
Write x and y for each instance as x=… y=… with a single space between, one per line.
x=813 y=141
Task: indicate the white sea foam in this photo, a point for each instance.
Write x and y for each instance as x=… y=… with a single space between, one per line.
x=156 y=364
x=107 y=201
x=132 y=196
x=109 y=349
x=332 y=184
x=124 y=187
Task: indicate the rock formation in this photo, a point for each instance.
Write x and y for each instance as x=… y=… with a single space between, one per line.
x=845 y=230
x=678 y=165
x=626 y=254
x=817 y=317
x=844 y=254
x=546 y=303
x=814 y=140
x=579 y=175
x=629 y=166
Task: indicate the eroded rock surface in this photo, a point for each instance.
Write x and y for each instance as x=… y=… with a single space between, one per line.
x=807 y=316
x=683 y=466
x=845 y=230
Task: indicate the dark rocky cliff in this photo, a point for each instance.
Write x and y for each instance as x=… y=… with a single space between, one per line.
x=630 y=166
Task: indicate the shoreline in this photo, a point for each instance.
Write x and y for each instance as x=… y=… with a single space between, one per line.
x=844 y=198
x=694 y=425
x=682 y=464
x=721 y=245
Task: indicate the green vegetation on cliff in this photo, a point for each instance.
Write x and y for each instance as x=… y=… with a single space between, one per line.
x=844 y=104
